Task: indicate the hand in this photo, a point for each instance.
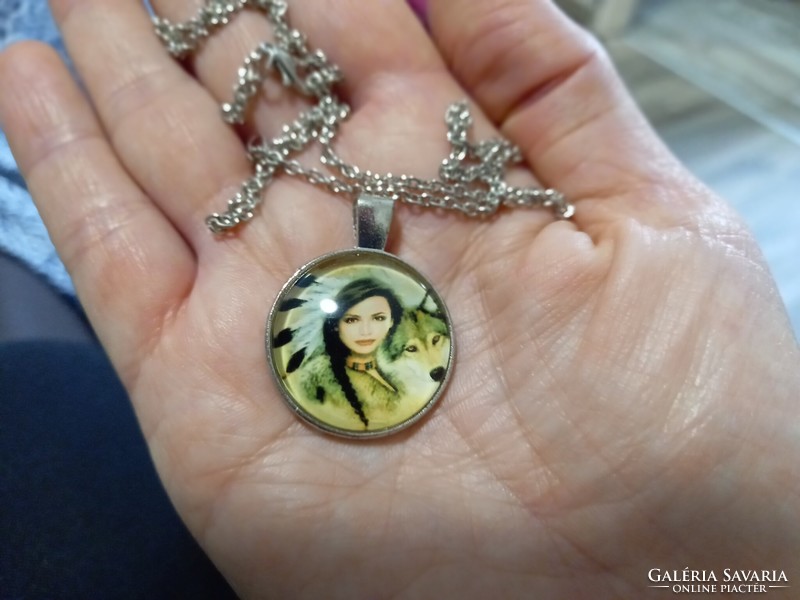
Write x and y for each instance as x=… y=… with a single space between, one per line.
x=625 y=390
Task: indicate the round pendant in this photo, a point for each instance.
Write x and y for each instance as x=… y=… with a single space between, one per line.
x=360 y=343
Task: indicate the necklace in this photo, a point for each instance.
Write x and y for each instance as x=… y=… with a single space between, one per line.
x=361 y=301
x=356 y=364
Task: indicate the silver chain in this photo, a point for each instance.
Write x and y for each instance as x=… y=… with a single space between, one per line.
x=471 y=178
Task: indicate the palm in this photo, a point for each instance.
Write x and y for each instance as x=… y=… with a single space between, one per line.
x=585 y=366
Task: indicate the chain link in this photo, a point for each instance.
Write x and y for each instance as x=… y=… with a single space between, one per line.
x=471 y=178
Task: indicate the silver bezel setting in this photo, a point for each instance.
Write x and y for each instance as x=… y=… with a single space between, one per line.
x=366 y=255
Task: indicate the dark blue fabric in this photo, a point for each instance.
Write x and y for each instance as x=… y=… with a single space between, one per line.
x=82 y=512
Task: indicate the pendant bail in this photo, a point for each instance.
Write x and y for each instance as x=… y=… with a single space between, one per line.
x=372 y=219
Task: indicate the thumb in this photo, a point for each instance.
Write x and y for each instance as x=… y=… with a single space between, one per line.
x=551 y=89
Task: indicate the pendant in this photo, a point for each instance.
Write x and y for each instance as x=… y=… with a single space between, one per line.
x=359 y=342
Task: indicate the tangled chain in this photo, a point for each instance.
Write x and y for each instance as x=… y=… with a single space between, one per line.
x=471 y=178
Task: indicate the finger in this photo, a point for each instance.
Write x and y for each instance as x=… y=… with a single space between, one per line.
x=551 y=89
x=398 y=85
x=392 y=74
x=389 y=40
x=164 y=126
x=216 y=61
x=215 y=66
x=129 y=265
x=400 y=89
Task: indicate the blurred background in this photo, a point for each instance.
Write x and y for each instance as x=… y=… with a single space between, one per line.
x=720 y=82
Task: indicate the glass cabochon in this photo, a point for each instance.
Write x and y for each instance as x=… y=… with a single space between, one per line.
x=360 y=343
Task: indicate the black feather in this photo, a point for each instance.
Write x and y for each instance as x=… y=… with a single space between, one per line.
x=284 y=337
x=306 y=280
x=291 y=303
x=296 y=360
x=424 y=299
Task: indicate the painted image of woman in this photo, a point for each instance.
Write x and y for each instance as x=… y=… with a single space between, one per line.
x=347 y=377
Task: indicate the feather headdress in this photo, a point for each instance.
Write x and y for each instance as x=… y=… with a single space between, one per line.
x=311 y=300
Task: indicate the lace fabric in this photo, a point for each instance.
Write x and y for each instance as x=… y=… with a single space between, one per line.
x=22 y=233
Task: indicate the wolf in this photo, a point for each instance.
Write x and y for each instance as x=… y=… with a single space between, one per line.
x=418 y=354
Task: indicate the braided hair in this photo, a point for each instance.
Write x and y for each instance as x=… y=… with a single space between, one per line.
x=353 y=293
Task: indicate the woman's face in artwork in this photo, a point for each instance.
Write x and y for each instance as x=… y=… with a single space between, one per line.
x=364 y=326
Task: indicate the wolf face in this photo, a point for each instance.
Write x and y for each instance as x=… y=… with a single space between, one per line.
x=420 y=348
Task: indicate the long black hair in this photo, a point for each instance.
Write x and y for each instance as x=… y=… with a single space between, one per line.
x=353 y=293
